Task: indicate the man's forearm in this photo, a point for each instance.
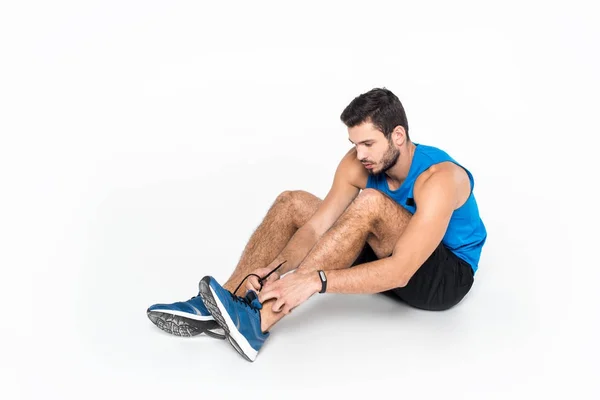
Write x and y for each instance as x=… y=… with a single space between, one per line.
x=368 y=278
x=296 y=250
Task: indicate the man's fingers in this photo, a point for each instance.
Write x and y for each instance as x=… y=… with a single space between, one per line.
x=274 y=276
x=249 y=284
x=286 y=310
x=270 y=282
x=267 y=294
x=253 y=284
x=278 y=305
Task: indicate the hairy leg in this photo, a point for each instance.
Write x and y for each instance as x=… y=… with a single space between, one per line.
x=290 y=211
x=373 y=217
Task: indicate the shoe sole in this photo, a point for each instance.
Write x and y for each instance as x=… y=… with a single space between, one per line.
x=214 y=306
x=186 y=327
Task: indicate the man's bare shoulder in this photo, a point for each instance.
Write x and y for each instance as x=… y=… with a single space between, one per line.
x=352 y=170
x=449 y=175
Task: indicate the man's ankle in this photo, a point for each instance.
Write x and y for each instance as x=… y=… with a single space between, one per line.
x=264 y=325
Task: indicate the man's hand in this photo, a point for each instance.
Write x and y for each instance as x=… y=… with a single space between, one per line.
x=252 y=281
x=291 y=291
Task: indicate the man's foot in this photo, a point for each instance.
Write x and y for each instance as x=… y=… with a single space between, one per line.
x=185 y=318
x=238 y=316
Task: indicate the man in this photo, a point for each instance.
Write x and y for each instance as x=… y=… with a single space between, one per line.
x=401 y=214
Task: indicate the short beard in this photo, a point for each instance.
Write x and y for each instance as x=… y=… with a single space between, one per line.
x=390 y=158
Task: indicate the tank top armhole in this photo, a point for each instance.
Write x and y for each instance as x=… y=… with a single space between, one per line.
x=471 y=179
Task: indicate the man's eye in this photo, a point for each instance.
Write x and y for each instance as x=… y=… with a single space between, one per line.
x=368 y=144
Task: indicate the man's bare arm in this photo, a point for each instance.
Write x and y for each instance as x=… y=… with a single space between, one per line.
x=436 y=198
x=349 y=178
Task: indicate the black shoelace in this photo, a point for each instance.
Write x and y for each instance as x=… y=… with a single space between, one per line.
x=245 y=301
x=260 y=280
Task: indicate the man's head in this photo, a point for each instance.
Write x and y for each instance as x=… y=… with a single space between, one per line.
x=377 y=126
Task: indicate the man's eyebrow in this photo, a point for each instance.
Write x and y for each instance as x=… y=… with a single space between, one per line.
x=364 y=141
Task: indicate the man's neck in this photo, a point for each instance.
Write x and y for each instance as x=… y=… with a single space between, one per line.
x=398 y=173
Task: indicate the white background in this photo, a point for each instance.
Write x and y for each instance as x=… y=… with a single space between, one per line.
x=143 y=141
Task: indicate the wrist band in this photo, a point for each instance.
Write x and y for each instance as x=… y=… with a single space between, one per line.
x=323 y=279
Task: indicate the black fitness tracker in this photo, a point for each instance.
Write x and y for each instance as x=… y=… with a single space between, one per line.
x=323 y=279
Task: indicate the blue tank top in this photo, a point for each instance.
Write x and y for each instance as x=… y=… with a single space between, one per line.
x=466 y=233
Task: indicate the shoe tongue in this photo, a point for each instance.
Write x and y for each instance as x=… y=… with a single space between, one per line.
x=252 y=298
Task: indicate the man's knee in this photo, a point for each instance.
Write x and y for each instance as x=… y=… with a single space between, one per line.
x=296 y=198
x=285 y=197
x=376 y=206
x=301 y=205
x=369 y=205
x=369 y=198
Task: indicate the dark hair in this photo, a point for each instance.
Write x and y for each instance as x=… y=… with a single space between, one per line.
x=379 y=106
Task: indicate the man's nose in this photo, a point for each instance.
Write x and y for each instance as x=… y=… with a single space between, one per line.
x=361 y=154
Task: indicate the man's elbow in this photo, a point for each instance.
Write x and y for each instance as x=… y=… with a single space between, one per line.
x=398 y=280
x=402 y=280
x=403 y=276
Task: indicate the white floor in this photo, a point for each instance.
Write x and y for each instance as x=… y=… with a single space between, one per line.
x=141 y=144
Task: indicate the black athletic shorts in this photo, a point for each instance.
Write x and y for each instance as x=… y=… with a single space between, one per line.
x=439 y=284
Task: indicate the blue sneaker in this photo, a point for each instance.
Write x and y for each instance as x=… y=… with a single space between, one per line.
x=185 y=318
x=238 y=316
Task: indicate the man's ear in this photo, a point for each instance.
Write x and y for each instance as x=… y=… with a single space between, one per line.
x=399 y=135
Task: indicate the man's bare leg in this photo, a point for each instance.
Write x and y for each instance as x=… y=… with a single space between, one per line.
x=372 y=217
x=290 y=211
